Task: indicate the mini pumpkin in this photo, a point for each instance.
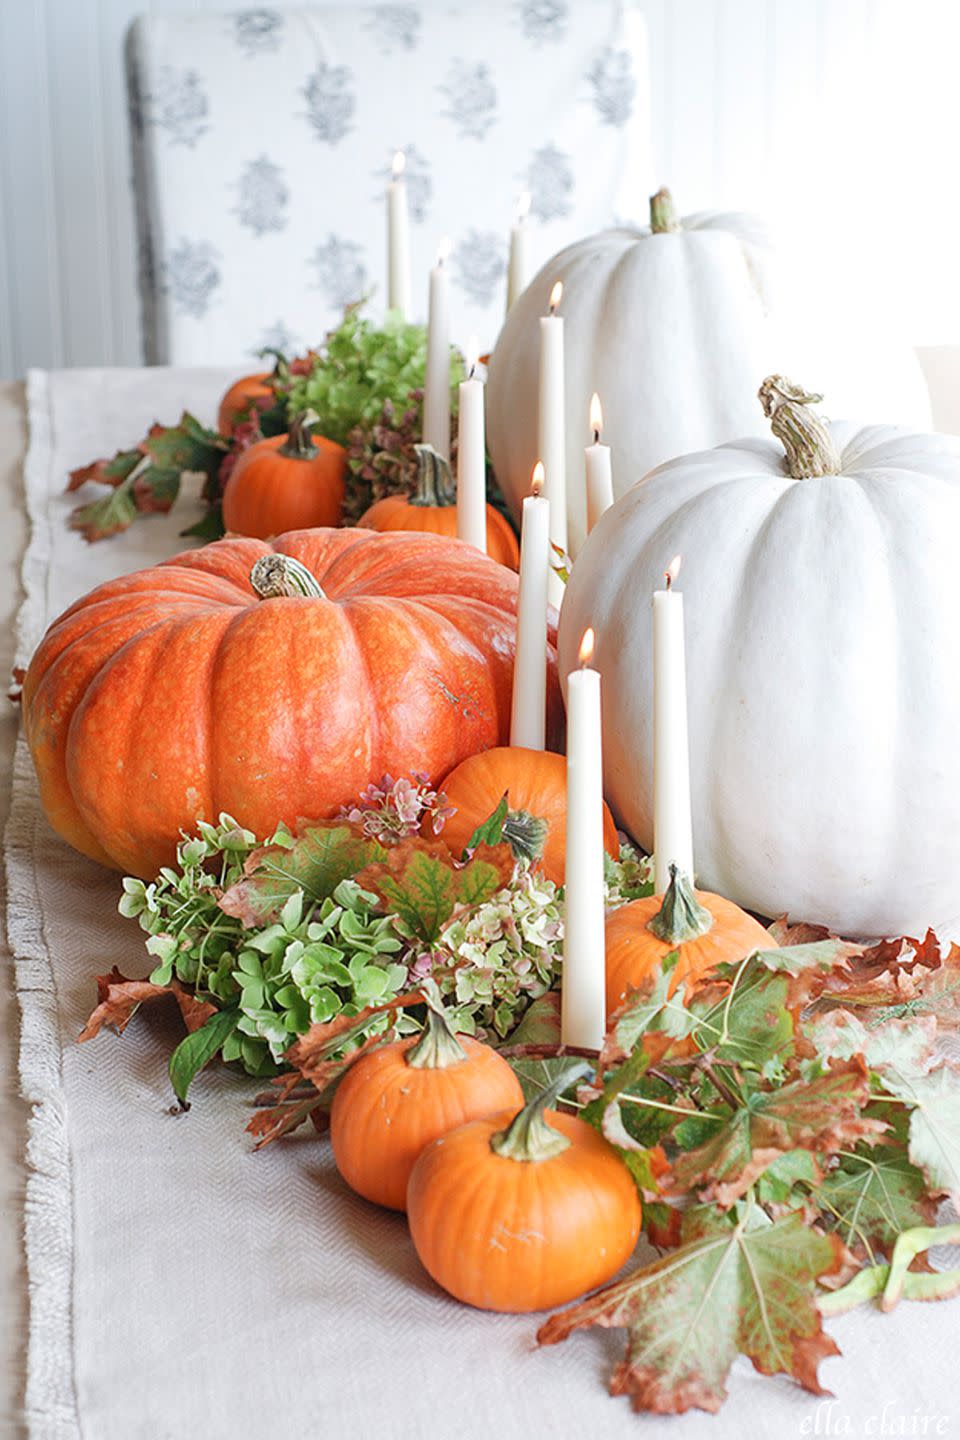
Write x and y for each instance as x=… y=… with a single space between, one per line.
x=524 y=1211
x=535 y=785
x=398 y=1098
x=240 y=396
x=433 y=507
x=286 y=482
x=704 y=929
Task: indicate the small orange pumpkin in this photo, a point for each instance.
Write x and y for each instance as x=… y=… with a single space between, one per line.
x=703 y=928
x=535 y=784
x=286 y=482
x=240 y=396
x=433 y=507
x=525 y=1211
x=400 y=1097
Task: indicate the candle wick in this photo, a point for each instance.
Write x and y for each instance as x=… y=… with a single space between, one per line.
x=596 y=437
x=669 y=578
x=471 y=372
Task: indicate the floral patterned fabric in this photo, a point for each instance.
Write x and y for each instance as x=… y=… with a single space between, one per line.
x=263 y=142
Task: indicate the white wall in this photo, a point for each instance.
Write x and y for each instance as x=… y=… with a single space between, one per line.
x=838 y=119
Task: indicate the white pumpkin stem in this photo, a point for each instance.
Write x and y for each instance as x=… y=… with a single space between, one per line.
x=435 y=483
x=681 y=917
x=529 y=1136
x=663 y=214
x=437 y=1047
x=802 y=433
x=276 y=575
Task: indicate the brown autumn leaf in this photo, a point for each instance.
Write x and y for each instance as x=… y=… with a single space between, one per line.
x=118 y=999
x=737 y=1286
x=784 y=933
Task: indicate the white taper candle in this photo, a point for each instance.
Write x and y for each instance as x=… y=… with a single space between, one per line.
x=436 y=386
x=552 y=431
x=583 y=998
x=472 y=458
x=517 y=268
x=398 y=240
x=528 y=711
x=672 y=823
x=599 y=468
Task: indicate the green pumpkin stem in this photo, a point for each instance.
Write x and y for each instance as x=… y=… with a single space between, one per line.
x=437 y=1046
x=281 y=366
x=809 y=446
x=276 y=575
x=435 y=482
x=663 y=214
x=528 y=1137
x=526 y=834
x=299 y=442
x=681 y=916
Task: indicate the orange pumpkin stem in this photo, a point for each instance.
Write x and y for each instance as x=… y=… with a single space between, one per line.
x=663 y=213
x=437 y=1047
x=681 y=917
x=299 y=442
x=273 y=576
x=528 y=1137
x=435 y=482
x=800 y=430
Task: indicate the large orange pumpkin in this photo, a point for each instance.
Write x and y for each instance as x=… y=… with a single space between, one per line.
x=286 y=482
x=177 y=692
x=239 y=397
x=523 y=1212
x=398 y=1098
x=703 y=928
x=535 y=784
x=434 y=508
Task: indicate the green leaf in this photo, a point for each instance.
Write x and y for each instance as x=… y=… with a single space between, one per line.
x=490 y=832
x=210 y=526
x=872 y=1197
x=737 y=1287
x=315 y=863
x=934 y=1136
x=196 y=1050
x=422 y=885
x=107 y=516
x=186 y=446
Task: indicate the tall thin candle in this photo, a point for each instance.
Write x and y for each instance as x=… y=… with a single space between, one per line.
x=517 y=268
x=436 y=388
x=398 y=240
x=672 y=823
x=472 y=458
x=529 y=707
x=599 y=469
x=583 y=1000
x=552 y=430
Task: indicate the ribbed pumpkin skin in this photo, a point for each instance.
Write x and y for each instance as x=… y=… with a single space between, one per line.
x=516 y=1236
x=395 y=512
x=174 y=693
x=633 y=951
x=238 y=397
x=534 y=780
x=269 y=493
x=385 y=1112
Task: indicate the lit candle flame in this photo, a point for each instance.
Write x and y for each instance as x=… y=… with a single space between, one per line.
x=523 y=205
x=443 y=249
x=596 y=416
x=538 y=479
x=672 y=571
x=399 y=164
x=585 y=654
x=556 y=295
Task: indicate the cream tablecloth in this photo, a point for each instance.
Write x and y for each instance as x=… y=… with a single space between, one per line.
x=180 y=1286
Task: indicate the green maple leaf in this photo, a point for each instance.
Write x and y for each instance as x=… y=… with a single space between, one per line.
x=934 y=1134
x=314 y=864
x=819 y=1115
x=185 y=446
x=872 y=1197
x=738 y=1286
x=109 y=515
x=421 y=883
x=898 y=1046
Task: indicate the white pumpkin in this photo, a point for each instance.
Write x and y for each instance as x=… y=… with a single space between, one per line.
x=671 y=326
x=823 y=625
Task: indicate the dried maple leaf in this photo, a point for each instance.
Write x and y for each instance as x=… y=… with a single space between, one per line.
x=315 y=863
x=422 y=883
x=739 y=1285
x=821 y=1115
x=786 y=934
x=118 y=999
x=872 y=1197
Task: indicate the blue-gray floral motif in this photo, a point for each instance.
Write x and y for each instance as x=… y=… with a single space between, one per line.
x=471 y=98
x=478 y=264
x=330 y=102
x=416 y=173
x=277 y=336
x=341 y=272
x=178 y=105
x=257 y=31
x=544 y=20
x=397 y=27
x=549 y=179
x=614 y=86
x=192 y=276
x=263 y=196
